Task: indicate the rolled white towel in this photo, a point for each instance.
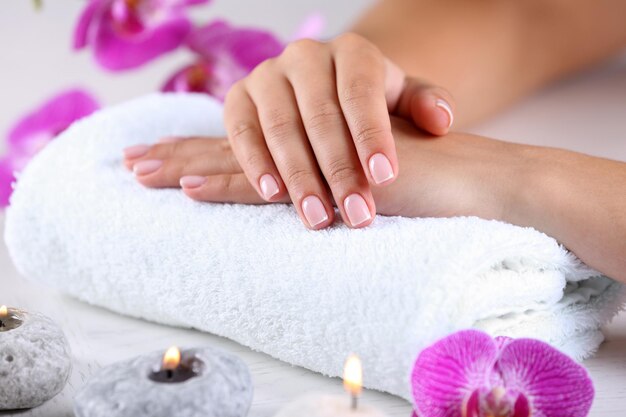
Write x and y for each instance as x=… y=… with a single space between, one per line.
x=79 y=222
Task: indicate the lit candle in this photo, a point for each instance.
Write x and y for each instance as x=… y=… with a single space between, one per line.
x=324 y=405
x=34 y=357
x=191 y=382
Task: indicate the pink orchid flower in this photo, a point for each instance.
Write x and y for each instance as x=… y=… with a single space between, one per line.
x=35 y=130
x=469 y=374
x=128 y=33
x=225 y=55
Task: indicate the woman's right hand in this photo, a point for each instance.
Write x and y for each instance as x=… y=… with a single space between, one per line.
x=312 y=126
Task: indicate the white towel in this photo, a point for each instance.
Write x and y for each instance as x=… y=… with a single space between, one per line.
x=79 y=222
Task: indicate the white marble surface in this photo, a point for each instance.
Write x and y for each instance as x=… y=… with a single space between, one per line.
x=586 y=113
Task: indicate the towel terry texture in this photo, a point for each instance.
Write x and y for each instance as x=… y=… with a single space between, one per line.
x=79 y=222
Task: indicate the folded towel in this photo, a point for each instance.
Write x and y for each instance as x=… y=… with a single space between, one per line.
x=79 y=222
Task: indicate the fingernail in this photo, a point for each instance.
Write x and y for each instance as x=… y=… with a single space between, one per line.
x=442 y=104
x=314 y=210
x=269 y=186
x=192 y=181
x=356 y=209
x=380 y=168
x=136 y=151
x=147 y=167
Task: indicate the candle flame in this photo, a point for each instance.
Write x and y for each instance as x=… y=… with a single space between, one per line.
x=353 y=375
x=4 y=311
x=171 y=359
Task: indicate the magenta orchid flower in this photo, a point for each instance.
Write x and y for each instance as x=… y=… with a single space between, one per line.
x=125 y=34
x=225 y=55
x=469 y=374
x=37 y=129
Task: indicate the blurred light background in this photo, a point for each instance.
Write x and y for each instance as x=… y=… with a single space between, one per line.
x=585 y=113
x=36 y=59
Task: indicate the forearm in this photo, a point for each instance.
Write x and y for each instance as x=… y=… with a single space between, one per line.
x=490 y=52
x=578 y=199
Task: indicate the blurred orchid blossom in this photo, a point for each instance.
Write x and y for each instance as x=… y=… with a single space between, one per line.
x=227 y=54
x=469 y=374
x=37 y=129
x=125 y=34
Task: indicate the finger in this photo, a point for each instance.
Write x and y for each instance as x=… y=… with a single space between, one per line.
x=313 y=82
x=223 y=188
x=430 y=107
x=360 y=75
x=167 y=171
x=248 y=144
x=184 y=147
x=290 y=149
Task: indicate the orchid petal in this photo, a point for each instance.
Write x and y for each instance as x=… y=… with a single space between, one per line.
x=555 y=385
x=39 y=126
x=522 y=407
x=311 y=27
x=116 y=52
x=85 y=21
x=449 y=370
x=176 y=82
x=471 y=406
x=6 y=181
x=246 y=47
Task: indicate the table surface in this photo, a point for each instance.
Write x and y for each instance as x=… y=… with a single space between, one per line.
x=586 y=113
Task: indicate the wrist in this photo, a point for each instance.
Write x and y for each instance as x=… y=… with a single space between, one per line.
x=537 y=187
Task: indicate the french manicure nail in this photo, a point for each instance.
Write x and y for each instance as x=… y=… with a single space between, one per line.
x=269 y=186
x=147 y=167
x=380 y=168
x=314 y=210
x=192 y=181
x=136 y=151
x=356 y=209
x=442 y=104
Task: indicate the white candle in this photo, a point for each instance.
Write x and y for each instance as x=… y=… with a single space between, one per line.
x=324 y=405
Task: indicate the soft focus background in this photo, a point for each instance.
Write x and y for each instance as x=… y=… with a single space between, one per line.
x=36 y=59
x=586 y=113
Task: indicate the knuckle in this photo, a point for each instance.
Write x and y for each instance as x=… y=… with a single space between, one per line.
x=358 y=89
x=256 y=161
x=349 y=39
x=326 y=115
x=279 y=124
x=297 y=178
x=224 y=146
x=340 y=171
x=223 y=184
x=241 y=129
x=234 y=91
x=300 y=48
x=368 y=135
x=261 y=71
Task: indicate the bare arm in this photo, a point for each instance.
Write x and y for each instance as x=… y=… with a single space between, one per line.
x=578 y=199
x=490 y=52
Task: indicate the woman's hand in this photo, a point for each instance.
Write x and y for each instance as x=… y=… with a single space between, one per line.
x=312 y=125
x=458 y=174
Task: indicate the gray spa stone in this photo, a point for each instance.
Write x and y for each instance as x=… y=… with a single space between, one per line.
x=222 y=388
x=34 y=361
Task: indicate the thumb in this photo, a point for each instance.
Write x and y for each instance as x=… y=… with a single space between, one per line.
x=429 y=107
